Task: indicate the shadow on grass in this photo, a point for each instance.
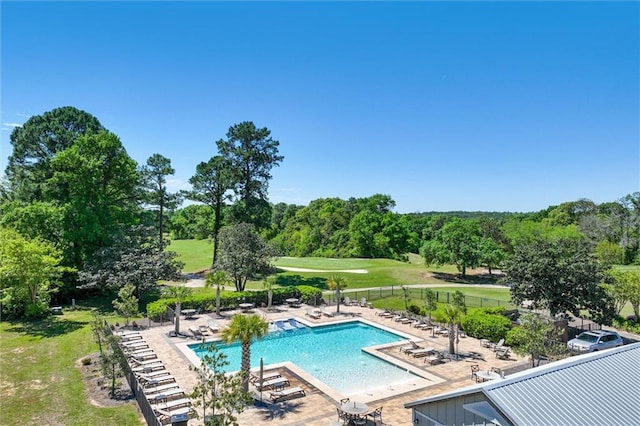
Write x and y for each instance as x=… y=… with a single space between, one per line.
x=468 y=279
x=48 y=327
x=293 y=280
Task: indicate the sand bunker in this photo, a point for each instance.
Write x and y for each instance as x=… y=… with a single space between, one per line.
x=350 y=271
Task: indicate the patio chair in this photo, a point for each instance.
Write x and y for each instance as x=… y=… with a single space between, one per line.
x=496 y=370
x=164 y=416
x=343 y=417
x=474 y=369
x=376 y=415
x=498 y=345
x=363 y=302
x=347 y=301
x=265 y=376
x=503 y=353
x=280 y=382
x=278 y=396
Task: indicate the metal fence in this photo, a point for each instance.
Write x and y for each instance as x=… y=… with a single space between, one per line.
x=417 y=293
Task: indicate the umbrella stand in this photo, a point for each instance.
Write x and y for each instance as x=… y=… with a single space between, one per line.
x=261 y=377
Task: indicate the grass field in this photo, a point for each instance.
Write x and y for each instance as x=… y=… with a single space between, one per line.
x=41 y=383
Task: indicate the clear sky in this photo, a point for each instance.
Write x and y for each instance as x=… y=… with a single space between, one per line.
x=495 y=106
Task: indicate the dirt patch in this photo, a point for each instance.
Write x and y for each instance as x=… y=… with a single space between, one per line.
x=98 y=389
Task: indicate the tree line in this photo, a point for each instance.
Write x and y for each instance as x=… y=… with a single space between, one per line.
x=72 y=192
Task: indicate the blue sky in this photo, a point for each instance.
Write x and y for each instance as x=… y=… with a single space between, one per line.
x=496 y=106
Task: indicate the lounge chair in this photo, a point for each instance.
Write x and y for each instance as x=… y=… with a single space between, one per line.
x=148 y=368
x=284 y=326
x=166 y=395
x=277 y=396
x=169 y=405
x=164 y=416
x=434 y=359
x=327 y=312
x=152 y=382
x=411 y=345
x=213 y=326
x=138 y=344
x=314 y=313
x=160 y=388
x=295 y=324
x=418 y=353
x=266 y=376
x=145 y=356
x=385 y=314
x=139 y=363
x=279 y=382
x=196 y=332
x=142 y=376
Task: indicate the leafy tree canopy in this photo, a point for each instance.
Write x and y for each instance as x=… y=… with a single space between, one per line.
x=562 y=275
x=37 y=142
x=243 y=254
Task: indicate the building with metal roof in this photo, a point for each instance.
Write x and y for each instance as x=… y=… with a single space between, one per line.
x=599 y=388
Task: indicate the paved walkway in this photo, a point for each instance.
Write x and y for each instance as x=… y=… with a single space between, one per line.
x=318 y=407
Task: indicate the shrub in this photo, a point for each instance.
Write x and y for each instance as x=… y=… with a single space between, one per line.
x=483 y=325
x=414 y=309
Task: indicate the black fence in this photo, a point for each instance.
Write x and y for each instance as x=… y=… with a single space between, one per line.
x=419 y=294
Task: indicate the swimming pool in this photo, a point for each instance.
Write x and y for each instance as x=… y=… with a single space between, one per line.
x=331 y=353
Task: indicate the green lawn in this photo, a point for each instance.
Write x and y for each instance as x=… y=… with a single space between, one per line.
x=196 y=254
x=40 y=381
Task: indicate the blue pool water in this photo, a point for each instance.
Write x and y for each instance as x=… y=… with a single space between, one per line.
x=331 y=353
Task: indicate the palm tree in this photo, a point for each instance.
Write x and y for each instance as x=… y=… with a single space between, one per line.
x=218 y=279
x=245 y=328
x=337 y=283
x=268 y=284
x=452 y=316
x=178 y=292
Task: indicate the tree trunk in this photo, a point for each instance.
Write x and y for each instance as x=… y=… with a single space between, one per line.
x=338 y=300
x=246 y=364
x=452 y=337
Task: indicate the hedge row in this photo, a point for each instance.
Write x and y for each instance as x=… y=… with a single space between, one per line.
x=487 y=323
x=230 y=300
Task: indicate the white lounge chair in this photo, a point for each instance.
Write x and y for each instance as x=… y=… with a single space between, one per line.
x=169 y=405
x=411 y=345
x=314 y=313
x=161 y=388
x=417 y=353
x=284 y=326
x=266 y=376
x=279 y=382
x=327 y=312
x=285 y=393
x=213 y=326
x=166 y=395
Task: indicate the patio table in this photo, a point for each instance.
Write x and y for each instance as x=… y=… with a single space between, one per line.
x=189 y=313
x=245 y=306
x=487 y=375
x=355 y=408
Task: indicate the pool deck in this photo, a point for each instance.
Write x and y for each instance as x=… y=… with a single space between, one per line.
x=318 y=407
